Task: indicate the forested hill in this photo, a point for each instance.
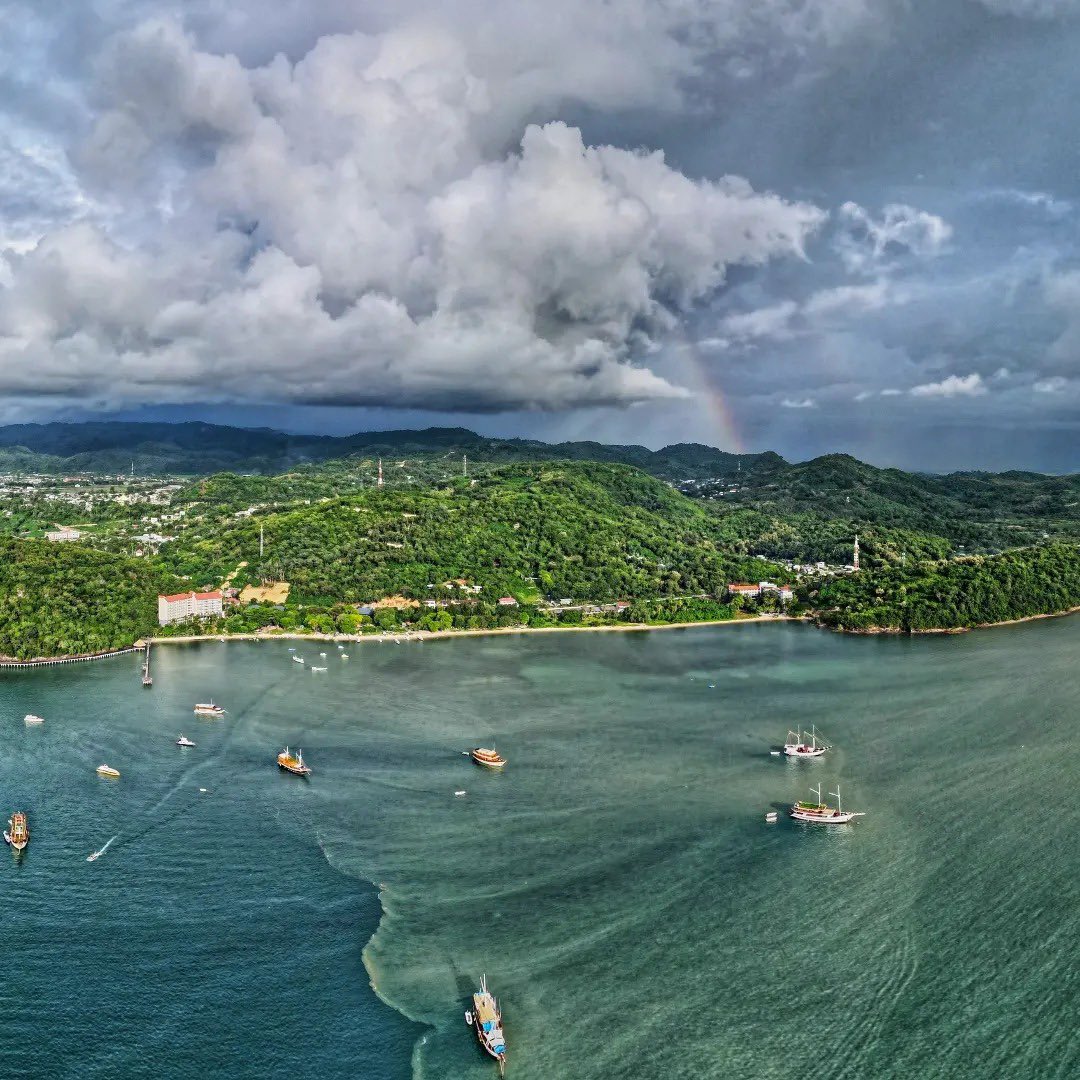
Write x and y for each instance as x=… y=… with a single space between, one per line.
x=579 y=529
x=197 y=449
x=68 y=599
x=976 y=511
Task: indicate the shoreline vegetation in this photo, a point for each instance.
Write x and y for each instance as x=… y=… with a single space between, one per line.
x=8 y=662
x=547 y=545
x=427 y=635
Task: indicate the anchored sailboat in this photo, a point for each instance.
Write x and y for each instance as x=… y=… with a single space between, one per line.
x=820 y=813
x=293 y=763
x=798 y=747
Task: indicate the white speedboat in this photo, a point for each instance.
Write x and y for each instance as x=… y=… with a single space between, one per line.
x=323 y=655
x=184 y=741
x=208 y=708
x=819 y=813
x=30 y=718
x=344 y=656
x=108 y=771
x=797 y=746
x=314 y=668
x=297 y=659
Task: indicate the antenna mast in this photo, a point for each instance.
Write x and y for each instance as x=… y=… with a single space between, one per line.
x=464 y=464
x=380 y=473
x=260 y=540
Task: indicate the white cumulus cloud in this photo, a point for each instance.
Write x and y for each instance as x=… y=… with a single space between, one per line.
x=371 y=224
x=952 y=386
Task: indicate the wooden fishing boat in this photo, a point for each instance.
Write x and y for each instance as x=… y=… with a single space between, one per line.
x=293 y=763
x=486 y=1017
x=17 y=833
x=490 y=759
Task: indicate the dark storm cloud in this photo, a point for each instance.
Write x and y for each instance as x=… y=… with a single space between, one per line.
x=474 y=207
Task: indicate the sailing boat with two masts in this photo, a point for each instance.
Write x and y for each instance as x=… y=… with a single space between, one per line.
x=797 y=746
x=819 y=813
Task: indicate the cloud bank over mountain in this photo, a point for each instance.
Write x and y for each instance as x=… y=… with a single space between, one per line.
x=852 y=219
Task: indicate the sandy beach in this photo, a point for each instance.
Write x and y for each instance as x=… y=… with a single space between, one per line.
x=431 y=635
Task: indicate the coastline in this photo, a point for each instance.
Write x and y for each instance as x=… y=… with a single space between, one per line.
x=877 y=631
x=432 y=635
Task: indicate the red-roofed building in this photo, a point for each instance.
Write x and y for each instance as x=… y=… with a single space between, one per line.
x=200 y=605
x=507 y=601
x=742 y=589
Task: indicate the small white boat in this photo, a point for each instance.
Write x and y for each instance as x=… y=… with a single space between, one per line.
x=772 y=817
x=30 y=718
x=460 y=792
x=292 y=648
x=297 y=659
x=344 y=656
x=341 y=646
x=322 y=654
x=314 y=669
x=208 y=708
x=184 y=741
x=109 y=771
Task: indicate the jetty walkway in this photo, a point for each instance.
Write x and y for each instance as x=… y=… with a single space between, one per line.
x=68 y=659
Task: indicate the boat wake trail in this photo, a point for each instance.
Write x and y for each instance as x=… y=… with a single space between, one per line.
x=101 y=851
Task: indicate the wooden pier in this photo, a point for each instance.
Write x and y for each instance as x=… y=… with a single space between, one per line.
x=65 y=659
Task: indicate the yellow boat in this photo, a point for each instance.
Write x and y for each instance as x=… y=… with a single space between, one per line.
x=109 y=771
x=293 y=763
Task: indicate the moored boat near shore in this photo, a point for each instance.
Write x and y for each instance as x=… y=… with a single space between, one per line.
x=17 y=833
x=490 y=759
x=486 y=1018
x=293 y=763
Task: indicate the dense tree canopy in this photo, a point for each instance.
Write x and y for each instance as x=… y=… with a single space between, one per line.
x=956 y=593
x=64 y=599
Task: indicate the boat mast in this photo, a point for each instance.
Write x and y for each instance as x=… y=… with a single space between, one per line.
x=837 y=794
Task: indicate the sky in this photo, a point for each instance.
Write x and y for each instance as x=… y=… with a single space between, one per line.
x=800 y=225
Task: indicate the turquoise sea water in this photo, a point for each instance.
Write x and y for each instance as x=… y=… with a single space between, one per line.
x=618 y=884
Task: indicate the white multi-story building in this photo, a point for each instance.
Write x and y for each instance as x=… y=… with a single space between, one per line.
x=201 y=605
